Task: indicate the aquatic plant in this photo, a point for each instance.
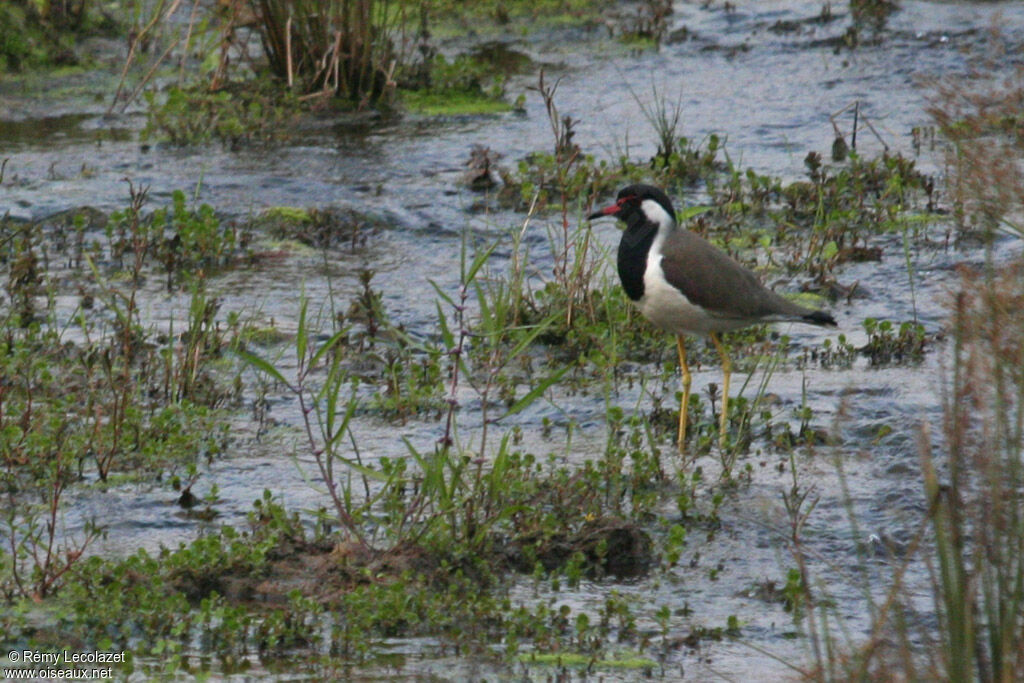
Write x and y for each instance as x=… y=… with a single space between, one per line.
x=190 y=243
x=16 y=47
x=192 y=115
x=640 y=25
x=888 y=343
x=977 y=515
x=318 y=227
x=318 y=53
x=40 y=457
x=460 y=505
x=324 y=45
x=468 y=83
x=970 y=534
x=871 y=13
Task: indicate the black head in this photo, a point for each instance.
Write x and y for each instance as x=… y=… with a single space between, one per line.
x=630 y=200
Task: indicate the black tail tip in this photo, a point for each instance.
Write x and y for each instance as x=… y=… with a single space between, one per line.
x=821 y=318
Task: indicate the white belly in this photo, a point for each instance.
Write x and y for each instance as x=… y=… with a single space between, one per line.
x=667 y=308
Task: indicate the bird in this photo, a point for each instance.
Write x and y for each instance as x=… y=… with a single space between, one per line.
x=684 y=285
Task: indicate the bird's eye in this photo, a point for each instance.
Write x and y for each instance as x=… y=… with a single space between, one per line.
x=626 y=200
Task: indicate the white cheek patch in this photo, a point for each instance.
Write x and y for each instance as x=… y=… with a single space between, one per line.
x=657 y=214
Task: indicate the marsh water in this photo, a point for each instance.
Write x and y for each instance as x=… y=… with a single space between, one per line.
x=757 y=75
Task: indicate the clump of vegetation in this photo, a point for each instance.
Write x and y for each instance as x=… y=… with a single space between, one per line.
x=974 y=508
x=190 y=244
x=233 y=591
x=324 y=46
x=233 y=115
x=871 y=14
x=326 y=228
x=42 y=34
x=351 y=56
x=977 y=516
x=468 y=83
x=453 y=482
x=455 y=102
x=888 y=343
x=644 y=24
x=969 y=534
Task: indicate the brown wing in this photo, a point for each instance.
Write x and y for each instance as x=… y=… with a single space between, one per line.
x=710 y=278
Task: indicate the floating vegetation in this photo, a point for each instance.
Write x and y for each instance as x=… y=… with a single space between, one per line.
x=454 y=103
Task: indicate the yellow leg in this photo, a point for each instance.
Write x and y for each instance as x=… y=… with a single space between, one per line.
x=726 y=373
x=684 y=370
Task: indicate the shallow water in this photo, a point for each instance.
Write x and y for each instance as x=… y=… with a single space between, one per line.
x=768 y=93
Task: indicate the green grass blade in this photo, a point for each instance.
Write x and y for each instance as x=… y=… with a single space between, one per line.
x=478 y=263
x=327 y=346
x=263 y=366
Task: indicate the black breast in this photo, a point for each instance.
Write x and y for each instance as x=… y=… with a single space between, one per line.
x=633 y=248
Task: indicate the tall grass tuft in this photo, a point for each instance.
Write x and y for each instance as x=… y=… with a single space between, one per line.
x=977 y=516
x=339 y=46
x=964 y=619
x=980 y=117
x=971 y=538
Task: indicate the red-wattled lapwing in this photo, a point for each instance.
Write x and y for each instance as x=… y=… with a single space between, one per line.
x=684 y=285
